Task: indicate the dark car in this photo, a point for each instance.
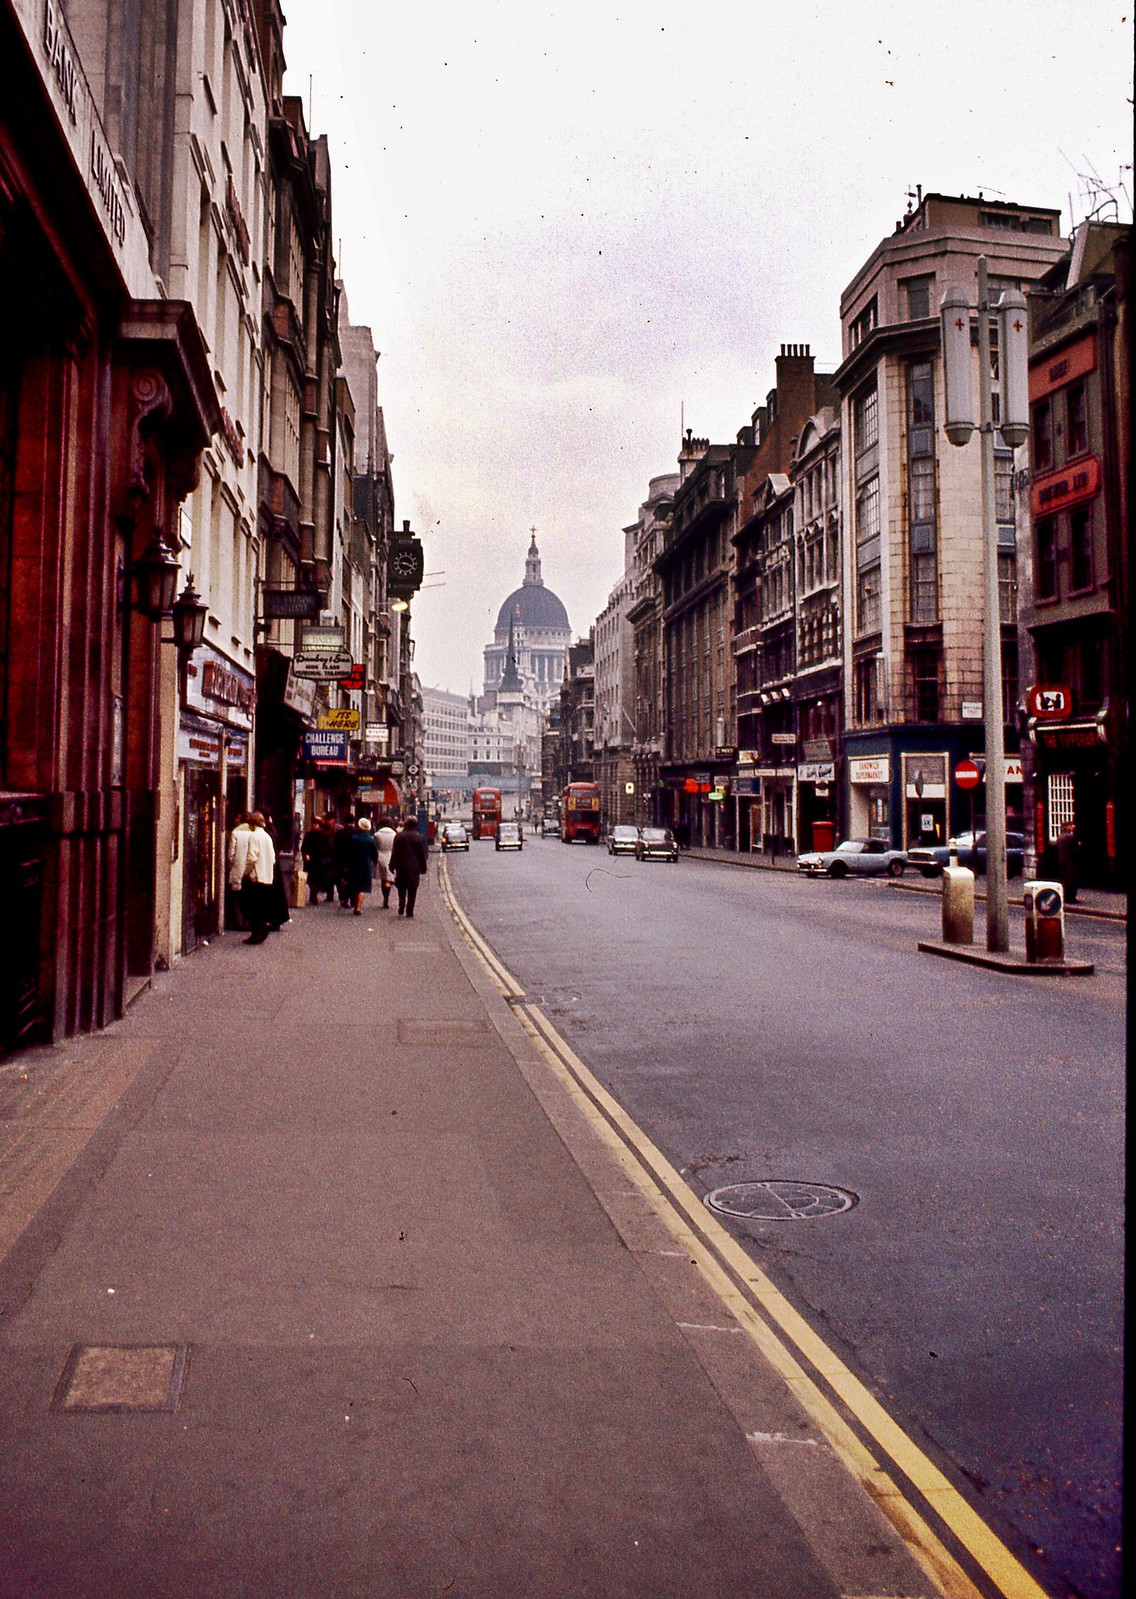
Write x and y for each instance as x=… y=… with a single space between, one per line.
x=509 y=836
x=551 y=827
x=656 y=844
x=971 y=851
x=454 y=836
x=622 y=840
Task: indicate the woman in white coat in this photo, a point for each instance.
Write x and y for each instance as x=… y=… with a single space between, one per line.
x=385 y=838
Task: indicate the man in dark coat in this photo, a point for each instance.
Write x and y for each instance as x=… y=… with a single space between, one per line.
x=408 y=863
x=316 y=850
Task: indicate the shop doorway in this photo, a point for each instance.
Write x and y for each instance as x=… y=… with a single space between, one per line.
x=200 y=843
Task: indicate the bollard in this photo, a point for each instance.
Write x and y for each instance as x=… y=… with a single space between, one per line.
x=958 y=905
x=1045 y=921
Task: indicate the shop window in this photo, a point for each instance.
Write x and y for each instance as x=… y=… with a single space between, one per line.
x=1076 y=421
x=1045 y=573
x=1081 y=549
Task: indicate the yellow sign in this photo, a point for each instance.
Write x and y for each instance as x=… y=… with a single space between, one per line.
x=342 y=718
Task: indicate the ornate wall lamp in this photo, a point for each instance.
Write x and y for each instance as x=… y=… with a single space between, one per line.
x=156 y=574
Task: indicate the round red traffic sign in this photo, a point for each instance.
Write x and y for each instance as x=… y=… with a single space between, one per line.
x=967 y=774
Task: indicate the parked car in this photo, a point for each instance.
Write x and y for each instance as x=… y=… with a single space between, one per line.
x=656 y=844
x=622 y=840
x=509 y=836
x=860 y=857
x=971 y=851
x=454 y=836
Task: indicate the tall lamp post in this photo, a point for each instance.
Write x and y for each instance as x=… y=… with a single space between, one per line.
x=1013 y=424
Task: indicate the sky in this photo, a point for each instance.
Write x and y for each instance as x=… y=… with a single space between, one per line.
x=575 y=229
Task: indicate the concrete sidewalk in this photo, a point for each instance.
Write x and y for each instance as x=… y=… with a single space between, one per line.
x=315 y=1283
x=1099 y=902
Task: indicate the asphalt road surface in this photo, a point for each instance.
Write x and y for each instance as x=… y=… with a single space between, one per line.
x=759 y=1025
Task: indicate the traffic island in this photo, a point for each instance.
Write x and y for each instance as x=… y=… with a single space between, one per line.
x=999 y=961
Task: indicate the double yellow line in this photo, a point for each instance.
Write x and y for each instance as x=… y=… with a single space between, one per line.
x=849 y=1416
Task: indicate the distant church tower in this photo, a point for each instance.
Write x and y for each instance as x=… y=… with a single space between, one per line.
x=530 y=640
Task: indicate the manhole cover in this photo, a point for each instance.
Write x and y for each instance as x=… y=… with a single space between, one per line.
x=781 y=1199
x=122 y=1377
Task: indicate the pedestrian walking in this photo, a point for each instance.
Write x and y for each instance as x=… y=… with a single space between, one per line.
x=341 y=859
x=252 y=865
x=362 y=859
x=385 y=838
x=408 y=862
x=277 y=900
x=316 y=852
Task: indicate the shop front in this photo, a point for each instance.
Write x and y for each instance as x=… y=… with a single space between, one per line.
x=214 y=744
x=1073 y=806
x=817 y=823
x=869 y=796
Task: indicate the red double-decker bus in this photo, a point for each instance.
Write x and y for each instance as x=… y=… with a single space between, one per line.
x=580 y=813
x=486 y=812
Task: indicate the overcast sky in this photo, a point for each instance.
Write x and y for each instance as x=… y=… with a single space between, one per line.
x=571 y=226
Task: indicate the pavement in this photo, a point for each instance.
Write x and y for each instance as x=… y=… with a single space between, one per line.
x=1106 y=904
x=319 y=1278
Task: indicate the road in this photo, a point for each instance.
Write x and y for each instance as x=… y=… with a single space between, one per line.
x=759 y=1025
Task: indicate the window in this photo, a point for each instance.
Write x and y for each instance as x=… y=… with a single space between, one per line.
x=866 y=419
x=925 y=685
x=1076 y=421
x=868 y=600
x=1003 y=486
x=868 y=521
x=1007 y=586
x=917 y=293
x=1046 y=569
x=1060 y=804
x=1081 y=549
x=924 y=589
x=865 y=690
x=921 y=486
x=1042 y=436
x=865 y=322
x=1009 y=683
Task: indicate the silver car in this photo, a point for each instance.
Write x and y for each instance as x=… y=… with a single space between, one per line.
x=856 y=857
x=622 y=840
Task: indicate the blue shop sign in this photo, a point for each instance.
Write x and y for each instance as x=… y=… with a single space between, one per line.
x=326 y=745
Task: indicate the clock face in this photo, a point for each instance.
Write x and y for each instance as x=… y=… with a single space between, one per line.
x=406 y=563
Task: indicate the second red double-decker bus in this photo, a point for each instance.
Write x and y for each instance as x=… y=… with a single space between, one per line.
x=580 y=813
x=486 y=812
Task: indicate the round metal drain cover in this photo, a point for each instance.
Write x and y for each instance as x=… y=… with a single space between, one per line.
x=781 y=1199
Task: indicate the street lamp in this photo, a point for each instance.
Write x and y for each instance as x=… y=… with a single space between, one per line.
x=1014 y=426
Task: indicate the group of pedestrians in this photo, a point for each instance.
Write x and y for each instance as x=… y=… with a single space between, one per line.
x=341 y=862
x=255 y=879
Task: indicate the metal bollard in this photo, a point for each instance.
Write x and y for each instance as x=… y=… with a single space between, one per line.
x=1045 y=920
x=958 y=905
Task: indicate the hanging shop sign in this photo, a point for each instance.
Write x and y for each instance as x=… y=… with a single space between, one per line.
x=1049 y=702
x=341 y=717
x=280 y=604
x=325 y=746
x=326 y=638
x=816 y=772
x=322 y=668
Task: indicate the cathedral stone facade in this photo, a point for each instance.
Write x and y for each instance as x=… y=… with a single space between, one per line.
x=530 y=640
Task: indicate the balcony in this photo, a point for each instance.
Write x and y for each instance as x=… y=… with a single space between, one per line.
x=748 y=639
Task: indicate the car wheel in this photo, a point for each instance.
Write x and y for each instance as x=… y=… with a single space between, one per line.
x=838 y=869
x=895 y=868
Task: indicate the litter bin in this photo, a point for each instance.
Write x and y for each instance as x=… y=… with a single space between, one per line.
x=1045 y=920
x=824 y=835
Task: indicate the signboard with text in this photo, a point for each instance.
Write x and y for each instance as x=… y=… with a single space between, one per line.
x=325 y=746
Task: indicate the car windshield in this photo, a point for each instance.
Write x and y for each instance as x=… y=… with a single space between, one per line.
x=625 y=832
x=655 y=835
x=509 y=830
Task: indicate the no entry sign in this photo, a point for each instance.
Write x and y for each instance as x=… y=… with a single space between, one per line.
x=967 y=774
